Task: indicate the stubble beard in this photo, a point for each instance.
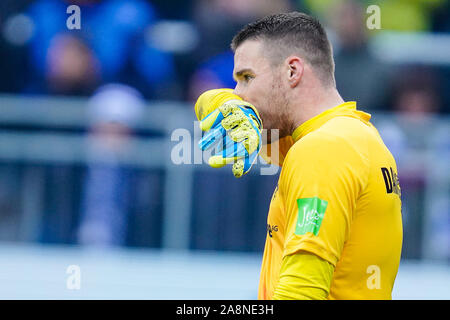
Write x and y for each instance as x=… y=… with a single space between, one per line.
x=276 y=120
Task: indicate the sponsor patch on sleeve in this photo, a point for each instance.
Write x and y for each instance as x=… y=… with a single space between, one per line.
x=310 y=215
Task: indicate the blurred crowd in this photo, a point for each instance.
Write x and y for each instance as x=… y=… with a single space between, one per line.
x=177 y=49
x=127 y=52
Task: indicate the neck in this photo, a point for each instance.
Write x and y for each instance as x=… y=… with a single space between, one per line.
x=314 y=103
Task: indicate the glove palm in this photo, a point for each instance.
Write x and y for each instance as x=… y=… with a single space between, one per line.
x=235 y=129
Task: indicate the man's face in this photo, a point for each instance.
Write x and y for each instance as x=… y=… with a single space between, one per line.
x=260 y=83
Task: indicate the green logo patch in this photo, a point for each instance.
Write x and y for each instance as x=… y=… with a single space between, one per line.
x=310 y=215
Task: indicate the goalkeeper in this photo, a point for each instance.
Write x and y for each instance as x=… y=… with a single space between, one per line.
x=334 y=222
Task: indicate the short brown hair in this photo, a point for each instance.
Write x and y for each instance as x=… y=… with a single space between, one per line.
x=290 y=32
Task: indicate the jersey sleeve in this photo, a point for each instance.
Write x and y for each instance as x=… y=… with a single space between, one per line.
x=304 y=276
x=321 y=180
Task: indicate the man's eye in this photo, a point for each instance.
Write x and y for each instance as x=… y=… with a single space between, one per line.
x=248 y=77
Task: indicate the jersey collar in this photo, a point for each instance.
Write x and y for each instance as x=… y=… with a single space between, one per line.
x=346 y=109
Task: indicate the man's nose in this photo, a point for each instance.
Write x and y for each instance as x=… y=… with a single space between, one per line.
x=238 y=92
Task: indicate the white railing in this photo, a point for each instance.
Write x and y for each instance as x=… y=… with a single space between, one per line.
x=55 y=134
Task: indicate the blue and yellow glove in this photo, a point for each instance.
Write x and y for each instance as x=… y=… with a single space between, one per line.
x=234 y=127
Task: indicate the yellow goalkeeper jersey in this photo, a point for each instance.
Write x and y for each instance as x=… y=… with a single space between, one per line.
x=338 y=197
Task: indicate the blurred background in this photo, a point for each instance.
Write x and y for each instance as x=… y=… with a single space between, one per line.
x=87 y=122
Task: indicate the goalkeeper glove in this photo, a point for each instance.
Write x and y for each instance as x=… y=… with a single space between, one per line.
x=234 y=127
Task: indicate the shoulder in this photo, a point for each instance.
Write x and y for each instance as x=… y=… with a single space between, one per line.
x=328 y=159
x=341 y=142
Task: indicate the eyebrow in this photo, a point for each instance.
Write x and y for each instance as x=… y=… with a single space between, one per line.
x=242 y=71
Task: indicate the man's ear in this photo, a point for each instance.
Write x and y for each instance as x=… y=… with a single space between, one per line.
x=295 y=69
